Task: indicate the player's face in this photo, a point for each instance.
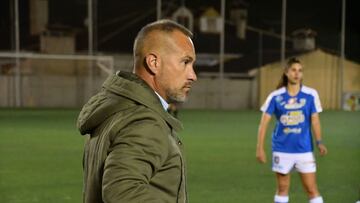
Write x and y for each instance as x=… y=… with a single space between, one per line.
x=294 y=74
x=177 y=72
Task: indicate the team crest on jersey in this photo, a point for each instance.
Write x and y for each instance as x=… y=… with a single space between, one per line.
x=292 y=118
x=294 y=104
x=278 y=98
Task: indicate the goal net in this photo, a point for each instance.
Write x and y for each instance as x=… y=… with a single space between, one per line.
x=50 y=80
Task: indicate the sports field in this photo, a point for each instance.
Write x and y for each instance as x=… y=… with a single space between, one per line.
x=41 y=154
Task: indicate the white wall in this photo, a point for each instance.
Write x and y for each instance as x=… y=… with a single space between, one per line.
x=48 y=91
x=238 y=94
x=71 y=91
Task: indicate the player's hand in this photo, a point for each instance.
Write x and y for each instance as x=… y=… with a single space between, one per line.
x=261 y=156
x=322 y=149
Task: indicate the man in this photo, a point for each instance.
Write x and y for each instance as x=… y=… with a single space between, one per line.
x=133 y=153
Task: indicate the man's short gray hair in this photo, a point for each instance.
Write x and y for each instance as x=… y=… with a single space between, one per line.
x=167 y=26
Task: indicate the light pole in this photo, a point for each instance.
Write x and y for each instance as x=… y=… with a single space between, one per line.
x=341 y=72
x=221 y=54
x=158 y=10
x=17 y=50
x=283 y=32
x=90 y=45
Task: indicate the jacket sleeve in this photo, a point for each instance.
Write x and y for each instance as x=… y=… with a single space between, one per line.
x=135 y=155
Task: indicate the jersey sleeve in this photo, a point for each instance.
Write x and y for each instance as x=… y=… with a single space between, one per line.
x=269 y=105
x=316 y=105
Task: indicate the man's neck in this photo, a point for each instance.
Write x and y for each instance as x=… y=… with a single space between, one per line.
x=163 y=102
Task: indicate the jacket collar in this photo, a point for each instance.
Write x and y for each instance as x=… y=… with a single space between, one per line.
x=133 y=87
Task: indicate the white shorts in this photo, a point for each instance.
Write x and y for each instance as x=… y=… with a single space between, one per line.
x=284 y=162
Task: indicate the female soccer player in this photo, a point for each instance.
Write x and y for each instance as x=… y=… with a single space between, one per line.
x=296 y=109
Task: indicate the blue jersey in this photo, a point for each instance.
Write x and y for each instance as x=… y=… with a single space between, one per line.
x=292 y=133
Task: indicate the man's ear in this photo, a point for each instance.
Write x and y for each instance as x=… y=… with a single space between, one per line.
x=152 y=63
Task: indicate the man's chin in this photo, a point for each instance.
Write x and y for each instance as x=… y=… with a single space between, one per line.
x=178 y=99
x=179 y=96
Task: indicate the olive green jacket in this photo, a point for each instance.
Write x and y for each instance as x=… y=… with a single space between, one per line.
x=132 y=152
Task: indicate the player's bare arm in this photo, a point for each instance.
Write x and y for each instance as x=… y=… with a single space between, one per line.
x=315 y=124
x=260 y=149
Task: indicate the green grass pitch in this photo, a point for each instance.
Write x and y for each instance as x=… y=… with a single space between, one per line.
x=41 y=154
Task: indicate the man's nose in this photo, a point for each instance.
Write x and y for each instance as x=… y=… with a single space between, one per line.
x=192 y=74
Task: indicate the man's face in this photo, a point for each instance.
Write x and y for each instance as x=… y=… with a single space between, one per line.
x=176 y=73
x=295 y=74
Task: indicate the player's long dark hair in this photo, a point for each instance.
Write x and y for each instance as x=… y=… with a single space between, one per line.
x=284 y=80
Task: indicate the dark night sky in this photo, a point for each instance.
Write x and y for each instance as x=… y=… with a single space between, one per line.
x=323 y=16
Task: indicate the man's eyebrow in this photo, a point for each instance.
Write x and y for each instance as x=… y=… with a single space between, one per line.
x=190 y=58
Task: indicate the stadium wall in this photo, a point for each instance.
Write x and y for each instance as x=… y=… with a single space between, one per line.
x=66 y=91
x=238 y=94
x=48 y=91
x=49 y=82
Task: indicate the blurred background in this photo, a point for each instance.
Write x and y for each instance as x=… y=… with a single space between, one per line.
x=55 y=54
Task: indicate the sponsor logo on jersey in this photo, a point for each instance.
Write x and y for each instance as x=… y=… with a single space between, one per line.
x=292 y=118
x=292 y=130
x=293 y=104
